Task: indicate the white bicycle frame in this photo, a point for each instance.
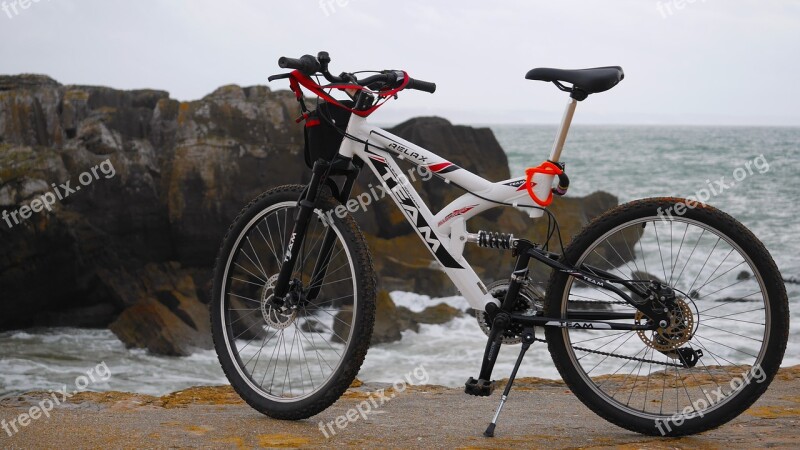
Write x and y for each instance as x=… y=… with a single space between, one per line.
x=445 y=233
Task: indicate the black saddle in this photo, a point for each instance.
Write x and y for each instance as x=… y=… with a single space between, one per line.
x=584 y=81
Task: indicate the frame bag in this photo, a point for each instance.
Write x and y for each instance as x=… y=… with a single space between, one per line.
x=324 y=132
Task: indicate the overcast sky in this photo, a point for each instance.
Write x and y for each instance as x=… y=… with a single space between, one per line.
x=700 y=62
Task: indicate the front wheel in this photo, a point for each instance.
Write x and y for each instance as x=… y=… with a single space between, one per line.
x=731 y=307
x=292 y=359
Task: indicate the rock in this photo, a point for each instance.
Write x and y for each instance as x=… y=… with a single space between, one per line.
x=387 y=320
x=95 y=316
x=743 y=275
x=168 y=318
x=312 y=326
x=432 y=315
x=405 y=264
x=437 y=314
x=391 y=320
x=406 y=319
x=247 y=324
x=182 y=171
x=341 y=325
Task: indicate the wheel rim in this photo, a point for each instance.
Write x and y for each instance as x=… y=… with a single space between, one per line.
x=732 y=331
x=286 y=355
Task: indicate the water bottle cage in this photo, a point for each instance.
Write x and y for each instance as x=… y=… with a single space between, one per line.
x=547 y=168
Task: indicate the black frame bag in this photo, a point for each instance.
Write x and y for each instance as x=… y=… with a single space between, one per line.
x=324 y=131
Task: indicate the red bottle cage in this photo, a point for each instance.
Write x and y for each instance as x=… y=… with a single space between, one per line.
x=297 y=79
x=546 y=168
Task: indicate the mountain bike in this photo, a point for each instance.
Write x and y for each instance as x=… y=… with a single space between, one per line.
x=663 y=315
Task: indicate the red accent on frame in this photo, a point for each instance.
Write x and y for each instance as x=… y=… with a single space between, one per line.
x=456 y=213
x=439 y=166
x=312 y=122
x=546 y=168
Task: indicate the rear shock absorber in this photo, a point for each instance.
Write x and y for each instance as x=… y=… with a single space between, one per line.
x=491 y=239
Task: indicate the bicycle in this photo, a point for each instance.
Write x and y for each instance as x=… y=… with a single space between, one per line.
x=651 y=337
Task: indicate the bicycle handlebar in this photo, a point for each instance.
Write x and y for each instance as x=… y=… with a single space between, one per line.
x=310 y=65
x=425 y=86
x=306 y=64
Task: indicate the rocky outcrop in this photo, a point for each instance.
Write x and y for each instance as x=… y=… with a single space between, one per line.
x=181 y=172
x=165 y=315
x=391 y=320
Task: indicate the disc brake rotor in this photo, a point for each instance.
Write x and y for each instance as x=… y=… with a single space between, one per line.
x=276 y=317
x=678 y=331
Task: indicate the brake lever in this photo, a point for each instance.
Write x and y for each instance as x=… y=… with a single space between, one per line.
x=279 y=76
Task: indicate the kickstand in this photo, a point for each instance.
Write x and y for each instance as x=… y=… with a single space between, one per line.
x=527 y=339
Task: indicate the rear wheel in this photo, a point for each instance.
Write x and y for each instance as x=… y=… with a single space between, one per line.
x=731 y=306
x=291 y=361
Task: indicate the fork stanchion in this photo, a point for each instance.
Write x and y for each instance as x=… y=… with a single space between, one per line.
x=527 y=339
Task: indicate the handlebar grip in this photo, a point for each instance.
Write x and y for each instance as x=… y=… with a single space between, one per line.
x=306 y=64
x=420 y=85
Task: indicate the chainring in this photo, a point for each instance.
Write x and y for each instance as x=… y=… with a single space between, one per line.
x=529 y=302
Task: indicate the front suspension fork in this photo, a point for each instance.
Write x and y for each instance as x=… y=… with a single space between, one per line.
x=306 y=206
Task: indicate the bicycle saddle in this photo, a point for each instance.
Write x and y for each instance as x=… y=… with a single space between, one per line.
x=590 y=81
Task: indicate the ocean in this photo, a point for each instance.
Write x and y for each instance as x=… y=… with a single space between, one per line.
x=760 y=166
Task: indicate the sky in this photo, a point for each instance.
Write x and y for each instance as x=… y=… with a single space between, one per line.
x=701 y=62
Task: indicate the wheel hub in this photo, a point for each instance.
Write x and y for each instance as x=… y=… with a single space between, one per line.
x=278 y=317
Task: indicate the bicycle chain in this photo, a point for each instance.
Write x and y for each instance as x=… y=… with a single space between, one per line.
x=651 y=361
x=604 y=302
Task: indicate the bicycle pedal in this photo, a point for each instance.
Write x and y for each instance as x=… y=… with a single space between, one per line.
x=479 y=388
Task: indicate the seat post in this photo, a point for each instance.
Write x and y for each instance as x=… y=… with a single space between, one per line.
x=563 y=130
